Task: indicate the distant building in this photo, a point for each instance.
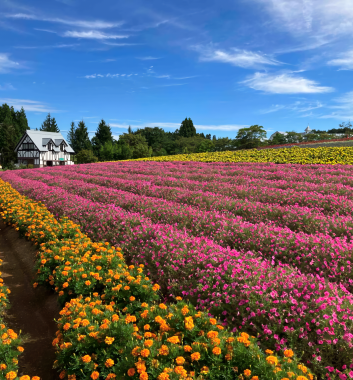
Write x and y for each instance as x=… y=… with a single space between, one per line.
x=44 y=149
x=306 y=131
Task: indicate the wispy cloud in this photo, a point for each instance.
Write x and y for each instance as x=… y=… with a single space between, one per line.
x=300 y=107
x=28 y=105
x=221 y=127
x=93 y=34
x=6 y=64
x=45 y=30
x=58 y=46
x=148 y=58
x=94 y=76
x=284 y=84
x=6 y=87
x=310 y=17
x=165 y=76
x=344 y=62
x=97 y=24
x=235 y=57
x=344 y=107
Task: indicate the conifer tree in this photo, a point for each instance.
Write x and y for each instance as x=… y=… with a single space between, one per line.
x=49 y=125
x=81 y=138
x=187 y=128
x=71 y=133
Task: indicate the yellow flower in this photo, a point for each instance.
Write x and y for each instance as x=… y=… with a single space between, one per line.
x=109 y=340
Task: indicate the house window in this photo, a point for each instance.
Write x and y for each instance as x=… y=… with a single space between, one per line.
x=49 y=146
x=62 y=147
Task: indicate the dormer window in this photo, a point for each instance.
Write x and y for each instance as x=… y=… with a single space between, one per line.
x=50 y=146
x=62 y=147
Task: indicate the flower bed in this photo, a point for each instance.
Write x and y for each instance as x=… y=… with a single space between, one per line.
x=114 y=326
x=284 y=306
x=295 y=155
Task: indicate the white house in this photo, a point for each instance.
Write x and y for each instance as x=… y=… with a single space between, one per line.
x=44 y=149
x=306 y=131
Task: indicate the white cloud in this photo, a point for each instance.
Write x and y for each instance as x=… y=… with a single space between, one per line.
x=98 y=24
x=222 y=127
x=93 y=34
x=284 y=84
x=7 y=86
x=344 y=62
x=28 y=105
x=6 y=64
x=166 y=76
x=236 y=57
x=148 y=58
x=311 y=17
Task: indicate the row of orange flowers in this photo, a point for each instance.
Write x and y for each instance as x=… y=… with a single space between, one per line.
x=113 y=324
x=10 y=343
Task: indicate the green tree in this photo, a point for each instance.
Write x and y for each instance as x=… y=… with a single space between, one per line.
x=187 y=128
x=278 y=139
x=71 y=134
x=81 y=139
x=86 y=156
x=102 y=136
x=50 y=125
x=13 y=125
x=206 y=146
x=133 y=146
x=223 y=144
x=250 y=138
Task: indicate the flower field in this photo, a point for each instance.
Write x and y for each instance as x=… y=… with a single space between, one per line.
x=114 y=325
x=264 y=247
x=295 y=155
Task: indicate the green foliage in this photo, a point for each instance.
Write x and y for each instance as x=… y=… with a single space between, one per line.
x=103 y=137
x=81 y=140
x=278 y=139
x=49 y=125
x=294 y=137
x=206 y=146
x=187 y=128
x=13 y=124
x=250 y=138
x=71 y=134
x=86 y=156
x=132 y=145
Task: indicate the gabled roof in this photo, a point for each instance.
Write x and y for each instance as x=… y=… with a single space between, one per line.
x=41 y=138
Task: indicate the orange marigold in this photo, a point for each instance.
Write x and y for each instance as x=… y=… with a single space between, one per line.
x=145 y=352
x=216 y=350
x=180 y=360
x=144 y=376
x=173 y=339
x=131 y=372
x=109 y=363
x=272 y=360
x=247 y=372
x=94 y=375
x=187 y=348
x=86 y=359
x=164 y=350
x=195 y=356
x=109 y=340
x=148 y=343
x=11 y=375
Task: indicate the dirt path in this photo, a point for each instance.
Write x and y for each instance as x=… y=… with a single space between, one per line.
x=32 y=310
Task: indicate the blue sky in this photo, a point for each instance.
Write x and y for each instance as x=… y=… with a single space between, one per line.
x=226 y=64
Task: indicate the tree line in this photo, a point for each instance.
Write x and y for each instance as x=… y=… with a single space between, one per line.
x=145 y=142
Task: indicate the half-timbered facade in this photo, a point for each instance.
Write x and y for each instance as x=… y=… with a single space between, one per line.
x=44 y=149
